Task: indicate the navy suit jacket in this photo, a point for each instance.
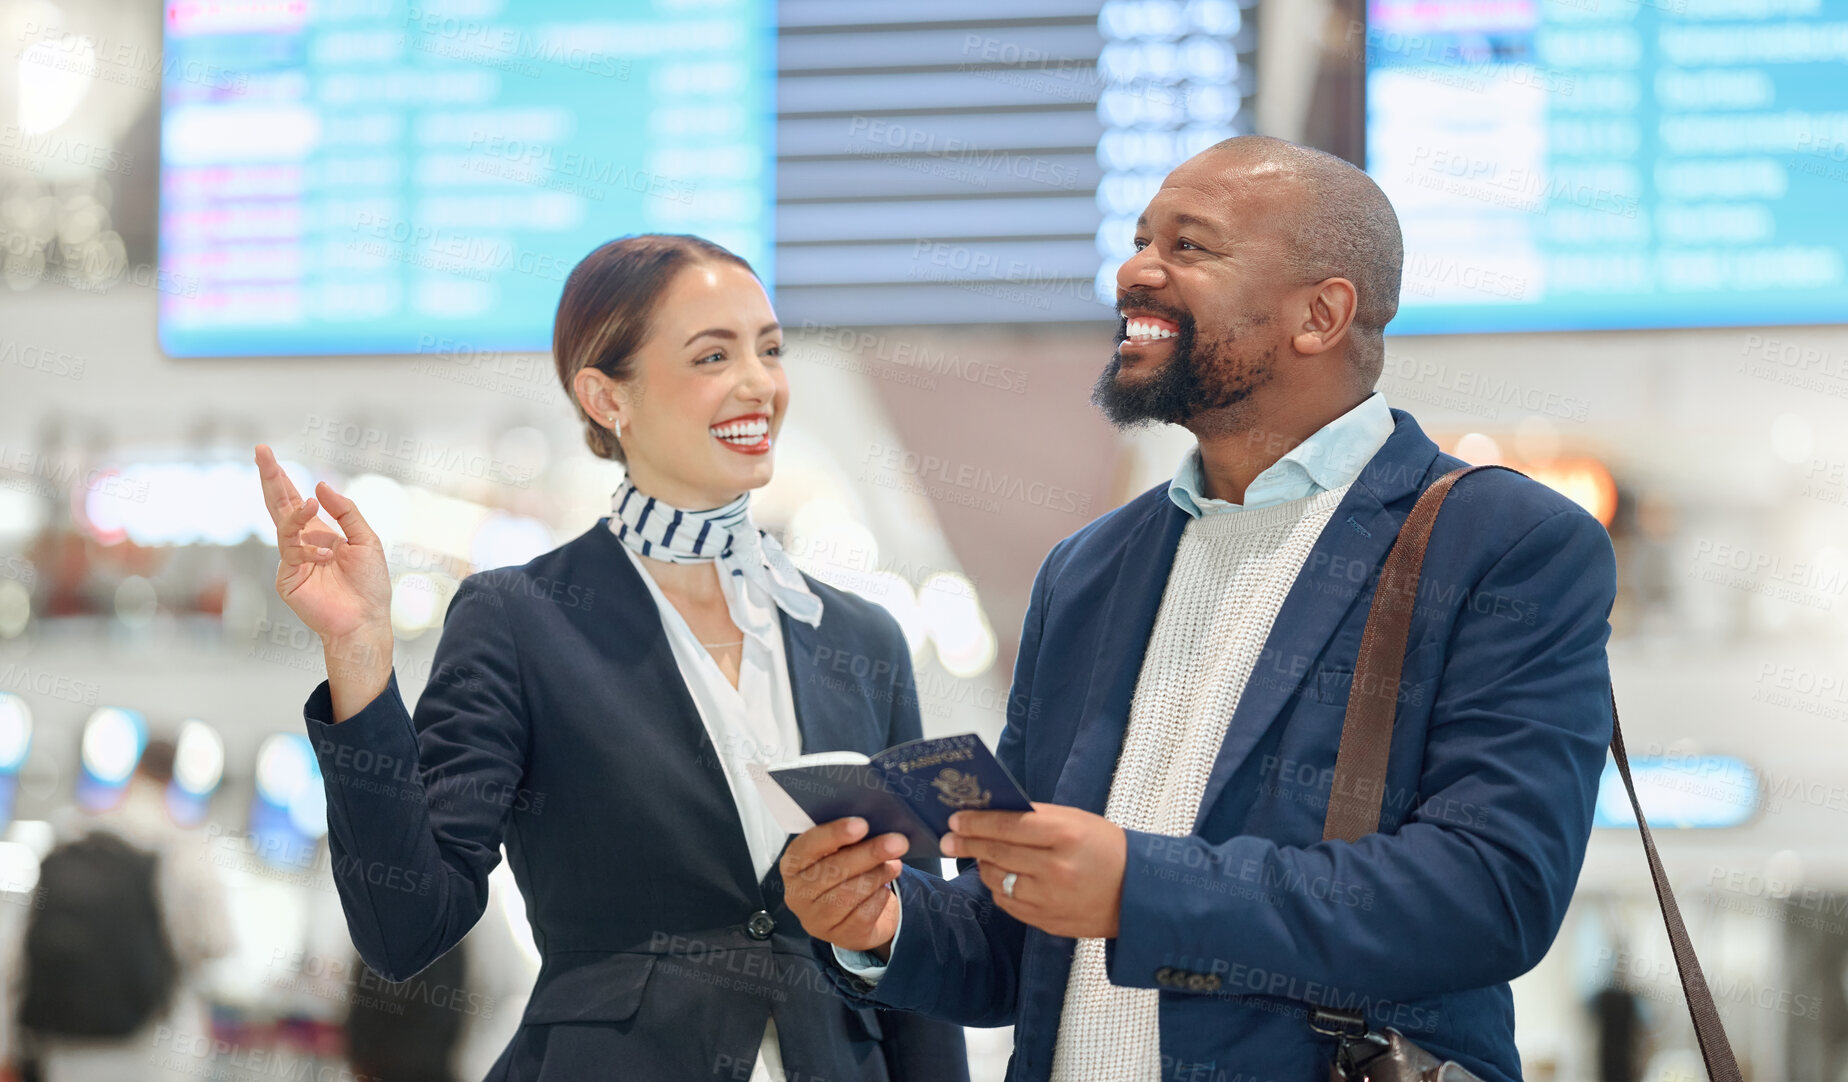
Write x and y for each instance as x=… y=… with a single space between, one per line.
x=555 y=720
x=1500 y=738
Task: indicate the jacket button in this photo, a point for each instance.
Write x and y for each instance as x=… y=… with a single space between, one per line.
x=760 y=925
x=1164 y=975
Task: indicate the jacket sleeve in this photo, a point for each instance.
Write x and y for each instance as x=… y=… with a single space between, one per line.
x=416 y=807
x=1519 y=725
x=916 y=1048
x=959 y=957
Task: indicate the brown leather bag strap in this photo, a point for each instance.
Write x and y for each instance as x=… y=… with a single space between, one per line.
x=1366 y=733
x=1715 y=1050
x=1366 y=740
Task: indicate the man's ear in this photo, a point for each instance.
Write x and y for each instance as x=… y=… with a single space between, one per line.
x=1327 y=315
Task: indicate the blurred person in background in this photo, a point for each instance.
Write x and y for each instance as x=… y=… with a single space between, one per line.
x=595 y=709
x=478 y=989
x=127 y=912
x=1185 y=667
x=408 y=1031
x=502 y=965
x=1617 y=1014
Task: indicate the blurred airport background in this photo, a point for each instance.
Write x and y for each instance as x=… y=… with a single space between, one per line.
x=341 y=227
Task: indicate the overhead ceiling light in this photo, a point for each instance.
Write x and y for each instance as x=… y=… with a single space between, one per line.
x=15 y=732
x=54 y=78
x=112 y=743
x=198 y=758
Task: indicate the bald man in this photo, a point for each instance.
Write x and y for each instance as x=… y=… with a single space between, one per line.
x=1169 y=909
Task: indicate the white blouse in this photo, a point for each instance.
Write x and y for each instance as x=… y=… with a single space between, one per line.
x=755 y=721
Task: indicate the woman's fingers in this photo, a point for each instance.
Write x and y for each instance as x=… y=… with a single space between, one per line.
x=279 y=493
x=292 y=514
x=318 y=545
x=290 y=543
x=346 y=513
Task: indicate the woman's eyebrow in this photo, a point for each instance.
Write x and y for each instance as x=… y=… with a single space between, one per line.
x=726 y=332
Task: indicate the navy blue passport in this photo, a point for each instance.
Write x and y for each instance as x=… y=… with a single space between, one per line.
x=911 y=789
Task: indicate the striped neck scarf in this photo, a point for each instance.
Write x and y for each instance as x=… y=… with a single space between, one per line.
x=661 y=531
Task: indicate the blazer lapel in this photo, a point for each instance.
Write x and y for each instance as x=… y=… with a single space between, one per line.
x=643 y=650
x=1358 y=534
x=1127 y=620
x=826 y=718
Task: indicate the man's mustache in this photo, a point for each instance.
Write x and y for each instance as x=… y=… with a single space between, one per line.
x=1152 y=306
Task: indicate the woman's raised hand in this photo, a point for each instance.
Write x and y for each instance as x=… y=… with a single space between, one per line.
x=338 y=586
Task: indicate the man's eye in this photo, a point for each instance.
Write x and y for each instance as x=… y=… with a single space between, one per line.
x=1140 y=244
x=774 y=351
x=1187 y=244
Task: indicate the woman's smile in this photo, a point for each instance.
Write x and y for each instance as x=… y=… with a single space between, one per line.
x=748 y=434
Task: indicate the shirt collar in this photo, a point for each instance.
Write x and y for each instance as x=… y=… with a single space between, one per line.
x=1330 y=458
x=760 y=612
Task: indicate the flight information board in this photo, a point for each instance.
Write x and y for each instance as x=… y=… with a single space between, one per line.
x=1593 y=164
x=359 y=177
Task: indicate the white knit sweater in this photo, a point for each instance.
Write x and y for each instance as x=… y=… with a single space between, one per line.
x=1229 y=578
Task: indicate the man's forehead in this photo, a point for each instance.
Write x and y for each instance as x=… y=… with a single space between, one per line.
x=1224 y=189
x=1215 y=204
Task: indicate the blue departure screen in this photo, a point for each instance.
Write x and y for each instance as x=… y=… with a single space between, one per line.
x=362 y=177
x=1589 y=164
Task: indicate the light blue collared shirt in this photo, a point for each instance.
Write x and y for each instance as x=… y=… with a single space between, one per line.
x=1330 y=458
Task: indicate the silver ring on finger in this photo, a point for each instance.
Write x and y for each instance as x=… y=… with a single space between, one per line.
x=1007 y=883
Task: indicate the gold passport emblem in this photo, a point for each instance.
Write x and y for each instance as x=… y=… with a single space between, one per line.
x=960 y=790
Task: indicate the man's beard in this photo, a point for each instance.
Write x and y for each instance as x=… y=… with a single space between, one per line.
x=1200 y=381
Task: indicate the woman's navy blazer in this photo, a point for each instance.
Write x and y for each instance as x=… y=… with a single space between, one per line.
x=555 y=721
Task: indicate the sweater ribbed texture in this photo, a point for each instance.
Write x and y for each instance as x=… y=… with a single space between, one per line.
x=1230 y=576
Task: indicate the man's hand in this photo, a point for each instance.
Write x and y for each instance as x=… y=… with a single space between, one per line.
x=1068 y=865
x=835 y=884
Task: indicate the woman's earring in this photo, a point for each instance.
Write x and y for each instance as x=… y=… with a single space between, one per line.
x=615 y=425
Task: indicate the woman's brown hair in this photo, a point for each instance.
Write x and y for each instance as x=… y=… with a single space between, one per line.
x=608 y=308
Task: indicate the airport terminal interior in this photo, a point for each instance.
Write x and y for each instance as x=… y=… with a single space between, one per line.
x=341 y=228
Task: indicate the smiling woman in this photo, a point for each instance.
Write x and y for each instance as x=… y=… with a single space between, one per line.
x=623 y=712
x=644 y=315
x=670 y=341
